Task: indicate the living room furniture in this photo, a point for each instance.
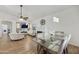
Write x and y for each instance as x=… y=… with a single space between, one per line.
x=16 y=36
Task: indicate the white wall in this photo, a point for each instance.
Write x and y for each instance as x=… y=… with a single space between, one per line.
x=69 y=21
x=8 y=23
x=13 y=24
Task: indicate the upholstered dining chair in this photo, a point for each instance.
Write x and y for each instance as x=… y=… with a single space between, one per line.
x=64 y=44
x=60 y=46
x=59 y=33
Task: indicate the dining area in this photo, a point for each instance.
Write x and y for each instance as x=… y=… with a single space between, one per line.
x=52 y=43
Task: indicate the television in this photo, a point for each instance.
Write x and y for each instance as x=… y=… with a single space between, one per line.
x=24 y=26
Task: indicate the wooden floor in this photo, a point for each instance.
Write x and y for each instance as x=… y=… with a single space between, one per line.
x=25 y=46
x=73 y=49
x=21 y=46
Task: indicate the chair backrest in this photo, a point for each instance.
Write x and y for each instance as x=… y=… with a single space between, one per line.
x=59 y=33
x=64 y=44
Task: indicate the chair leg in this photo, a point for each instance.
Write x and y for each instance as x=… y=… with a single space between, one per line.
x=65 y=51
x=41 y=50
x=38 y=48
x=45 y=51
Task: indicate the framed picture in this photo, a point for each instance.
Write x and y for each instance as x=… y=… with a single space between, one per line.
x=42 y=22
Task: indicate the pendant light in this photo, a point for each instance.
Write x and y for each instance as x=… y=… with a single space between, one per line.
x=21 y=14
x=21 y=17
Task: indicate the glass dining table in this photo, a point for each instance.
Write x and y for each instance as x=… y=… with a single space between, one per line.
x=50 y=45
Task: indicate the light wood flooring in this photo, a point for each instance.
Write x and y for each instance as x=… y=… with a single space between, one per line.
x=25 y=46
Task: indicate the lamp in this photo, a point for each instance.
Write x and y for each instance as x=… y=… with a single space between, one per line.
x=21 y=16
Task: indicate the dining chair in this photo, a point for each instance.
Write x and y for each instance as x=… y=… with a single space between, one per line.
x=59 y=33
x=41 y=35
x=60 y=46
x=64 y=44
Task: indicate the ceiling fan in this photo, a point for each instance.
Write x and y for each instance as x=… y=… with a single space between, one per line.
x=21 y=16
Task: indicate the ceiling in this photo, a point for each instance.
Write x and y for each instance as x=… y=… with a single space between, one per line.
x=32 y=11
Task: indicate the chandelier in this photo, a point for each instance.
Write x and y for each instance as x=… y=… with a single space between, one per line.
x=21 y=14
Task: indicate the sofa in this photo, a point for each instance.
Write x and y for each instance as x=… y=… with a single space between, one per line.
x=16 y=36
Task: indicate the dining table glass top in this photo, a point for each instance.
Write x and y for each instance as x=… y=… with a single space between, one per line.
x=50 y=43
